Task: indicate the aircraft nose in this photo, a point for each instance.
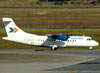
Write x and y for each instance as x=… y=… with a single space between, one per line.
x=96 y=43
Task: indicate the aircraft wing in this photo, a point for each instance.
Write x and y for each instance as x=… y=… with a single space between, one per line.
x=62 y=37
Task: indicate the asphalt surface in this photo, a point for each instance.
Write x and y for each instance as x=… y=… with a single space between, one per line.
x=60 y=61
x=93 y=65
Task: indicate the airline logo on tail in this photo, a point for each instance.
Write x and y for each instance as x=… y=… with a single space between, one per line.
x=14 y=30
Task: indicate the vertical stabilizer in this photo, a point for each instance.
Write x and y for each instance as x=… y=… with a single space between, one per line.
x=10 y=27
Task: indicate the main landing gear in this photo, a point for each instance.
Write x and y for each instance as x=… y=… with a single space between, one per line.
x=54 y=47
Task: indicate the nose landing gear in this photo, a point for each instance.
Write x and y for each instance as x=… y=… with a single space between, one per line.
x=90 y=48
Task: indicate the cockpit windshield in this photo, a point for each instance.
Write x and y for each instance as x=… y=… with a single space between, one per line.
x=89 y=39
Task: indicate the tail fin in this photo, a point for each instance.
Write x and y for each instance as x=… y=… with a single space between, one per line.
x=10 y=27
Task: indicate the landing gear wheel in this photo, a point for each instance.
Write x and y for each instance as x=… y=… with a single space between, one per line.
x=54 y=47
x=91 y=48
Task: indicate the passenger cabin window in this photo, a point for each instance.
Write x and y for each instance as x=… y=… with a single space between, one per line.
x=71 y=40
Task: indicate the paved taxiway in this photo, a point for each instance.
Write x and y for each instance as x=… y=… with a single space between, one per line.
x=60 y=61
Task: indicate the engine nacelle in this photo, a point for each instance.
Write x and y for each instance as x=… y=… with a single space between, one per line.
x=61 y=37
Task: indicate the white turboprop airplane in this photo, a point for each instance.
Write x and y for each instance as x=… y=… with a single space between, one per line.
x=15 y=34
